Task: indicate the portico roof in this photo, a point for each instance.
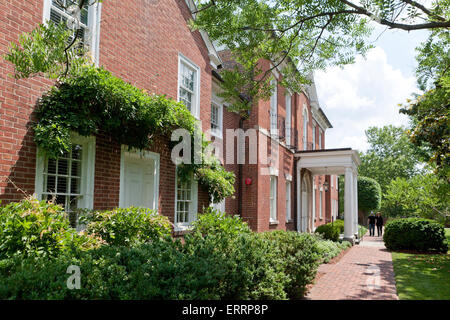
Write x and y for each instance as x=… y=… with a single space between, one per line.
x=328 y=161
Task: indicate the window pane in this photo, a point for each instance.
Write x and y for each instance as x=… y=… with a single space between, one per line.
x=75 y=186
x=50 y=184
x=51 y=166
x=76 y=169
x=62 y=185
x=63 y=166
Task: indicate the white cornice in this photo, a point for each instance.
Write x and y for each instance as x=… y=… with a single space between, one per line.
x=212 y=52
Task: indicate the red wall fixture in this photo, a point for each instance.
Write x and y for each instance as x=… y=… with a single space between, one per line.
x=248 y=181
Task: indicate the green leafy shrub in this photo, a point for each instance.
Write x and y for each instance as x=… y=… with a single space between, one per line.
x=301 y=257
x=415 y=234
x=127 y=226
x=339 y=223
x=329 y=249
x=33 y=227
x=213 y=222
x=329 y=231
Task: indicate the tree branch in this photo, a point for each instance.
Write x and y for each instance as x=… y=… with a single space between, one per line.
x=75 y=36
x=303 y=20
x=393 y=25
x=209 y=5
x=423 y=8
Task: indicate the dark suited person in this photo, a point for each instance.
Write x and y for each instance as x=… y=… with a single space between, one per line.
x=379 y=224
x=371 y=222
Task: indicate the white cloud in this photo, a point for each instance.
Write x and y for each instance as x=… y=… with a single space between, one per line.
x=362 y=95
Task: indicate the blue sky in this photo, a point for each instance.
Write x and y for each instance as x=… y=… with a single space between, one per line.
x=366 y=93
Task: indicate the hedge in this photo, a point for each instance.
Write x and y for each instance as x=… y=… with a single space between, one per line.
x=329 y=231
x=415 y=234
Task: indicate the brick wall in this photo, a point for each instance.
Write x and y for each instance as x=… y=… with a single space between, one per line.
x=17 y=98
x=139 y=43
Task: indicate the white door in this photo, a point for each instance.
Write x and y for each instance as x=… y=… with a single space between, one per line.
x=219 y=207
x=139 y=182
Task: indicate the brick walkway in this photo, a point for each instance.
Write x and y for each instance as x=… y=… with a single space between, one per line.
x=365 y=272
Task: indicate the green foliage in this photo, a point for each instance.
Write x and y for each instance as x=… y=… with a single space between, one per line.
x=213 y=222
x=340 y=224
x=33 y=228
x=390 y=155
x=362 y=231
x=329 y=231
x=329 y=249
x=95 y=101
x=429 y=112
x=415 y=234
x=218 y=181
x=127 y=226
x=301 y=257
x=233 y=267
x=369 y=194
x=424 y=196
x=43 y=51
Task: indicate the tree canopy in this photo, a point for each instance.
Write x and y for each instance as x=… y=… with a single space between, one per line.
x=429 y=113
x=423 y=196
x=299 y=36
x=390 y=155
x=369 y=194
x=296 y=36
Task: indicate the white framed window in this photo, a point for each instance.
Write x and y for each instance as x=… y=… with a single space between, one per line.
x=273 y=198
x=189 y=85
x=274 y=108
x=288 y=201
x=305 y=128
x=314 y=137
x=337 y=182
x=216 y=119
x=332 y=181
x=89 y=22
x=186 y=197
x=320 y=203
x=288 y=118
x=69 y=179
x=320 y=138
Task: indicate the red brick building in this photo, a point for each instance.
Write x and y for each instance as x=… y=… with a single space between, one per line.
x=150 y=45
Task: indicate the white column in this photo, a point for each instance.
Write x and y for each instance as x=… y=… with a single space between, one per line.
x=299 y=198
x=348 y=205
x=313 y=206
x=355 y=202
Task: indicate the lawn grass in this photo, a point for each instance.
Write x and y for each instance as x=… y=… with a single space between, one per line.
x=447 y=234
x=422 y=276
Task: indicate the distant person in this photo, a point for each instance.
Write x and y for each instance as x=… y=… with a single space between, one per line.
x=371 y=222
x=379 y=224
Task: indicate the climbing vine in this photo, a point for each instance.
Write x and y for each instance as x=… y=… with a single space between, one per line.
x=94 y=101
